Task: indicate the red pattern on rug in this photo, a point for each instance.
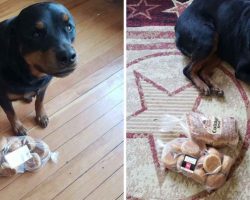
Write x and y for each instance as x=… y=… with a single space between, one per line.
x=151 y=50
x=153 y=12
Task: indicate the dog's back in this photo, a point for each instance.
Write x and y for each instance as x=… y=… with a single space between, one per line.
x=228 y=19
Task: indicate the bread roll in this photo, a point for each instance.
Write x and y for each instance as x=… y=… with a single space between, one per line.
x=170 y=161
x=34 y=163
x=176 y=147
x=212 y=163
x=214 y=151
x=5 y=170
x=226 y=164
x=215 y=181
x=3 y=143
x=200 y=162
x=30 y=142
x=179 y=162
x=199 y=175
x=42 y=149
x=190 y=148
x=14 y=143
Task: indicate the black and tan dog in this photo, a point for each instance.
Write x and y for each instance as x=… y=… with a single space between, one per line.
x=213 y=30
x=35 y=46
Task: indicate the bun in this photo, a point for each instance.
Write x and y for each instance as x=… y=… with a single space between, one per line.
x=5 y=170
x=215 y=181
x=42 y=149
x=226 y=164
x=3 y=143
x=30 y=142
x=199 y=175
x=34 y=163
x=214 y=151
x=169 y=160
x=14 y=143
x=179 y=162
x=190 y=148
x=212 y=163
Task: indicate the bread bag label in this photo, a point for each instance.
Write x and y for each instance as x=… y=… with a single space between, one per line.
x=213 y=125
x=18 y=157
x=189 y=163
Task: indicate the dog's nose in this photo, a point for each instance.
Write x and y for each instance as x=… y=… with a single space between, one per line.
x=66 y=57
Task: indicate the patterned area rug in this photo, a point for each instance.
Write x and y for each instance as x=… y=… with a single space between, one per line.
x=156 y=87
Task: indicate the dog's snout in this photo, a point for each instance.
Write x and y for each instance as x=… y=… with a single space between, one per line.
x=66 y=56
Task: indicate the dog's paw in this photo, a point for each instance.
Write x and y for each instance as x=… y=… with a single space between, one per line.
x=19 y=129
x=218 y=92
x=205 y=90
x=42 y=121
x=27 y=99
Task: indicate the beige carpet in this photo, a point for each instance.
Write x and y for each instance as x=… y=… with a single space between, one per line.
x=156 y=87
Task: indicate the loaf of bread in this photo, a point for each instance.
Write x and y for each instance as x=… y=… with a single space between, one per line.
x=212 y=130
x=208 y=167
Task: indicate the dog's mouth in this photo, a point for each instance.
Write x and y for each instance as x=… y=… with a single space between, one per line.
x=64 y=72
x=57 y=72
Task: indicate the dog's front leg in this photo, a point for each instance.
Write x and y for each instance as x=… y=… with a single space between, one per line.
x=17 y=126
x=41 y=116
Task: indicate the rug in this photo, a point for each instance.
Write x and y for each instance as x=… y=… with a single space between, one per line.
x=156 y=87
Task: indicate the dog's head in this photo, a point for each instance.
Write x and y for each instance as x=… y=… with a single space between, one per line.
x=45 y=33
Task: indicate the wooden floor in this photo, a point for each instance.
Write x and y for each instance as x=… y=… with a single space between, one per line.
x=85 y=110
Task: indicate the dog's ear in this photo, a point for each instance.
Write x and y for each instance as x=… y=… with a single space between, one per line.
x=11 y=36
x=12 y=24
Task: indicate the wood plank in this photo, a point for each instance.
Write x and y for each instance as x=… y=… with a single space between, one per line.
x=121 y=197
x=60 y=87
x=24 y=109
x=79 y=172
x=78 y=90
x=69 y=150
x=81 y=122
x=110 y=189
x=92 y=114
x=73 y=94
x=85 y=108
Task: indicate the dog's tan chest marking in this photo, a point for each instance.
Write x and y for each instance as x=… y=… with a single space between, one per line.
x=14 y=97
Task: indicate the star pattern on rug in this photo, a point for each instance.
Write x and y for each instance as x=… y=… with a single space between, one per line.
x=139 y=77
x=178 y=7
x=141 y=8
x=162 y=177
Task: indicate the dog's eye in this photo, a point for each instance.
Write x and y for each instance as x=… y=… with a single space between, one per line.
x=69 y=28
x=36 y=34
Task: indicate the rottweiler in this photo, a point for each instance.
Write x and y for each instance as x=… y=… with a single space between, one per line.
x=212 y=31
x=36 y=46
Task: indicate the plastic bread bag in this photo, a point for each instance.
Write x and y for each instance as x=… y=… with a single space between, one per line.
x=206 y=166
x=21 y=154
x=211 y=130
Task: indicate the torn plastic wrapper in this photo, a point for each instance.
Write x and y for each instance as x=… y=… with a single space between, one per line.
x=211 y=130
x=21 y=154
x=206 y=166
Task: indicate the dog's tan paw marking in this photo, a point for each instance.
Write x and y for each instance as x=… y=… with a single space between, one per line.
x=217 y=91
x=19 y=129
x=205 y=90
x=42 y=121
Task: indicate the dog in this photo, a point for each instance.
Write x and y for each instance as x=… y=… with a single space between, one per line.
x=212 y=31
x=36 y=46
